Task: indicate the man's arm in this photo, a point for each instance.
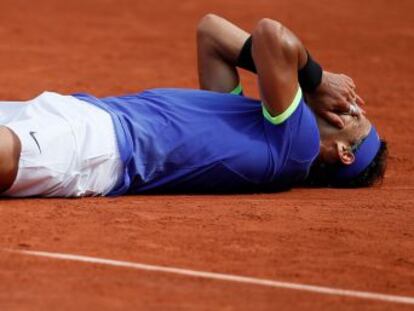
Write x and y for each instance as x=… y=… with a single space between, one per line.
x=277 y=54
x=219 y=45
x=327 y=93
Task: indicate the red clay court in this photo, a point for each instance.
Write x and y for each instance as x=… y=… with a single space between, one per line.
x=299 y=250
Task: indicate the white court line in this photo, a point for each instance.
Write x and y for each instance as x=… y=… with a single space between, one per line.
x=224 y=277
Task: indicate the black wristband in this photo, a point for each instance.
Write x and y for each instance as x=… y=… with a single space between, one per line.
x=245 y=59
x=310 y=76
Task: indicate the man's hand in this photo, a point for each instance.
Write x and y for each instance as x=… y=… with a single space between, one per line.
x=335 y=95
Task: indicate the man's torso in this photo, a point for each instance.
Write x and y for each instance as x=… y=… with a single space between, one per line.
x=196 y=141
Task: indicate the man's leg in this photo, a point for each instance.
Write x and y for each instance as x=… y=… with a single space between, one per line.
x=218 y=44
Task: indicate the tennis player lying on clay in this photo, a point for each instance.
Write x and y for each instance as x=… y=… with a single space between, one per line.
x=306 y=128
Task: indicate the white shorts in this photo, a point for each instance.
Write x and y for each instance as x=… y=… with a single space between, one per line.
x=69 y=147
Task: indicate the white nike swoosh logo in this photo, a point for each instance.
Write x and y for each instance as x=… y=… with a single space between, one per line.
x=32 y=134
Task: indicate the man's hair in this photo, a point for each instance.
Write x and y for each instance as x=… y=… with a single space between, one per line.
x=320 y=174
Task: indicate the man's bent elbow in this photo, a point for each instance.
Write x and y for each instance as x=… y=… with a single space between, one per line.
x=206 y=24
x=272 y=32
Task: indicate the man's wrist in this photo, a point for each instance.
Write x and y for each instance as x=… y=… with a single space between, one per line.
x=245 y=59
x=310 y=75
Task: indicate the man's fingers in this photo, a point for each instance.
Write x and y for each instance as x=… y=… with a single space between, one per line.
x=334 y=119
x=351 y=95
x=352 y=84
x=349 y=81
x=343 y=106
x=359 y=100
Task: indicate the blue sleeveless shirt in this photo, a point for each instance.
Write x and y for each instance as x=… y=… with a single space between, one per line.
x=183 y=140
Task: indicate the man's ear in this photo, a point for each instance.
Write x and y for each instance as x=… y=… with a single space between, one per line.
x=345 y=154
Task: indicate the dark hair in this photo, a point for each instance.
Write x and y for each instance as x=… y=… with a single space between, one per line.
x=320 y=173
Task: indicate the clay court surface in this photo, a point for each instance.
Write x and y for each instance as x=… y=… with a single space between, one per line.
x=360 y=240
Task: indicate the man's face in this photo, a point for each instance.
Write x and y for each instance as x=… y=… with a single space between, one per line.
x=333 y=139
x=356 y=128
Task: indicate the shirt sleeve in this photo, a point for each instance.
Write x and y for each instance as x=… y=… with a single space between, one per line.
x=279 y=119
